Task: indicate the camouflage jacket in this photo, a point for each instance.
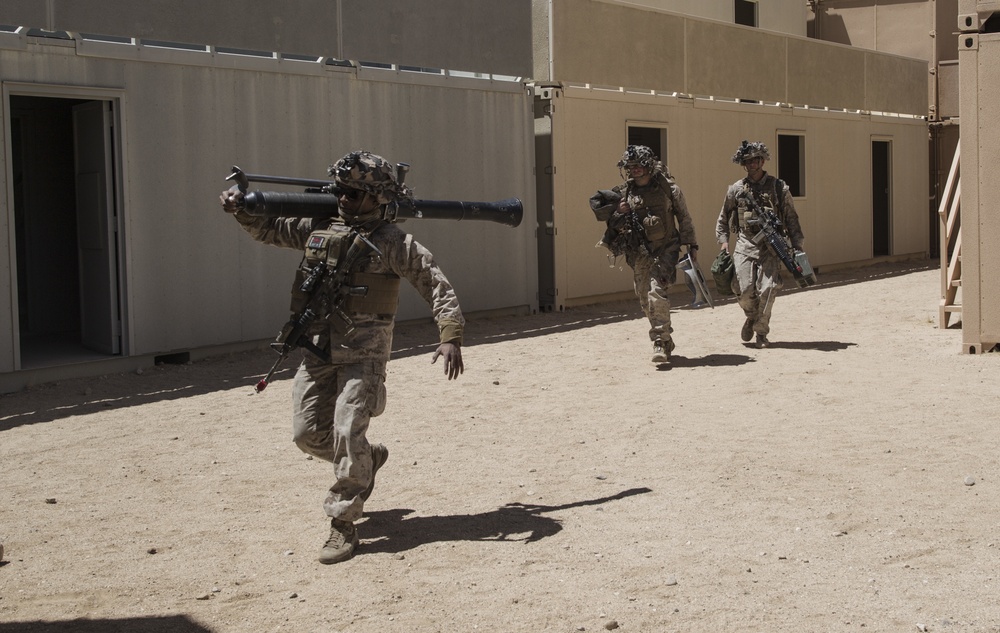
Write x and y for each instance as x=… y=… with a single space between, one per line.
x=732 y=218
x=401 y=255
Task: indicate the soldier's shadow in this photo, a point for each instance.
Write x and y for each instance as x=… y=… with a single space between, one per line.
x=711 y=360
x=390 y=531
x=820 y=346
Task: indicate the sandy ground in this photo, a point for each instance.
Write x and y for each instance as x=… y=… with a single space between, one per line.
x=845 y=480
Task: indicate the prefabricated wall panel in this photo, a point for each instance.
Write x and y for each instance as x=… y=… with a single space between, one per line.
x=472 y=35
x=193 y=277
x=608 y=44
x=979 y=62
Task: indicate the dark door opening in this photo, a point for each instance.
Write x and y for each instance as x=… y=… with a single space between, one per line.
x=65 y=230
x=881 y=198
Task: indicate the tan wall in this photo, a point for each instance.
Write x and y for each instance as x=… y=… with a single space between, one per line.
x=920 y=29
x=702 y=136
x=193 y=278
x=471 y=35
x=783 y=16
x=979 y=61
x=592 y=42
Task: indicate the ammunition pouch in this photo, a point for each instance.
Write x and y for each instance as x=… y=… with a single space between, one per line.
x=654 y=228
x=381 y=298
x=322 y=246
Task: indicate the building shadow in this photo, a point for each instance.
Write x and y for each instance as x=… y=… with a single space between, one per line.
x=242 y=370
x=390 y=531
x=152 y=624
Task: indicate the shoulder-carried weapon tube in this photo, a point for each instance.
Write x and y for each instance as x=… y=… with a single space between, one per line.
x=320 y=201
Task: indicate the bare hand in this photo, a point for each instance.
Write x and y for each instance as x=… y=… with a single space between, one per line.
x=724 y=247
x=452 y=354
x=232 y=200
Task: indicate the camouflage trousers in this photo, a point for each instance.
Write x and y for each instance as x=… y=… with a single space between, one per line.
x=756 y=282
x=331 y=407
x=651 y=278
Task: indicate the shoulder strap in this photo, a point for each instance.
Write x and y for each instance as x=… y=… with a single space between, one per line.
x=779 y=194
x=667 y=186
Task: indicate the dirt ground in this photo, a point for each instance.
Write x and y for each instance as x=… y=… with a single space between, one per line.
x=845 y=480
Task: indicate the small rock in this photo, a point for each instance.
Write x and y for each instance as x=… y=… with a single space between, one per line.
x=970 y=481
x=581 y=628
x=138 y=372
x=399 y=557
x=216 y=590
x=50 y=500
x=151 y=550
x=293 y=595
x=602 y=477
x=204 y=596
x=496 y=382
x=288 y=552
x=611 y=625
x=1 y=551
x=921 y=627
x=670 y=581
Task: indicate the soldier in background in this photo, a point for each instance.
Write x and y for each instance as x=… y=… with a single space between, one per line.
x=758 y=268
x=648 y=222
x=335 y=396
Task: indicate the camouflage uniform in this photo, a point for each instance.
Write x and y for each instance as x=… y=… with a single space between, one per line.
x=334 y=400
x=666 y=225
x=758 y=269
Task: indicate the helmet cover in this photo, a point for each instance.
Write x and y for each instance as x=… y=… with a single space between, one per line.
x=748 y=150
x=370 y=173
x=638 y=155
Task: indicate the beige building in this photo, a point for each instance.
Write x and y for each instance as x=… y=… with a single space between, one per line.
x=846 y=126
x=119 y=125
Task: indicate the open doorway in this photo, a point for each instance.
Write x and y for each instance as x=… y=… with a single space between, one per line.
x=881 y=198
x=66 y=229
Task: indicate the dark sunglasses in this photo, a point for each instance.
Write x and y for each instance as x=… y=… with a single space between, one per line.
x=352 y=194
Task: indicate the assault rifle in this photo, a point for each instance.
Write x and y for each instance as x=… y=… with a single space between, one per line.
x=319 y=200
x=772 y=234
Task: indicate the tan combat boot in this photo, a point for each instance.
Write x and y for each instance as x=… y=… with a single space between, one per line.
x=341 y=544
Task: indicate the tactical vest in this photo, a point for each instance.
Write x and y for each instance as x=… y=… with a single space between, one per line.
x=743 y=214
x=376 y=293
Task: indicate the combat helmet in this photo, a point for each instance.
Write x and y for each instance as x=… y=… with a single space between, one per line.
x=371 y=173
x=748 y=150
x=640 y=155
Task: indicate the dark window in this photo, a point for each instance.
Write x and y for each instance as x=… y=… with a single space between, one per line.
x=792 y=162
x=745 y=12
x=655 y=138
